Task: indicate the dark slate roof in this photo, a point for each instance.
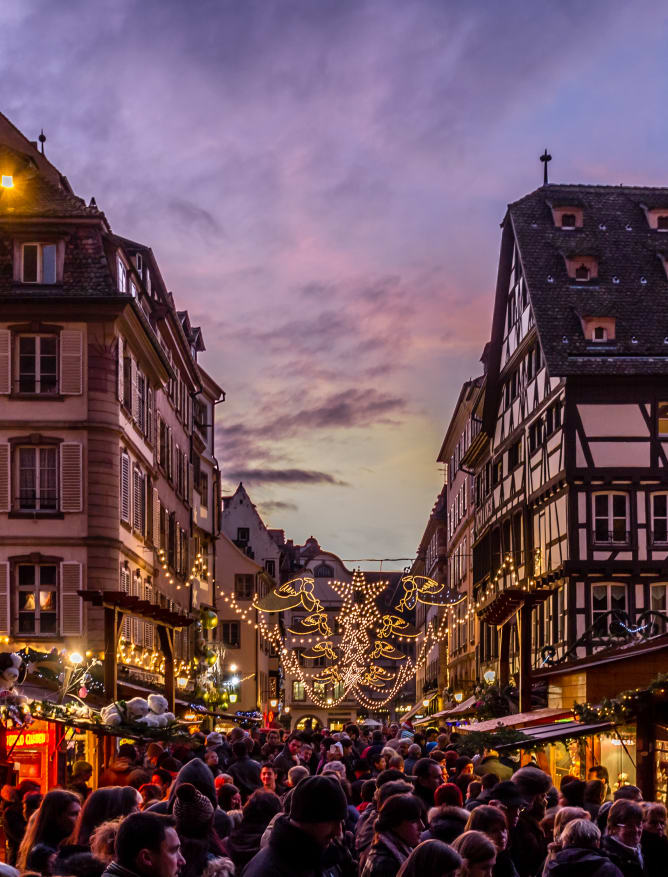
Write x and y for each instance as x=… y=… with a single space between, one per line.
x=631 y=286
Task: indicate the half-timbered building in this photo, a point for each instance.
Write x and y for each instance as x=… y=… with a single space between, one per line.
x=571 y=452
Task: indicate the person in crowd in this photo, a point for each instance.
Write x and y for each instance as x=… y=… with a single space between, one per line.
x=154 y=752
x=302 y=843
x=599 y=772
x=147 y=845
x=364 y=830
x=477 y=852
x=193 y=814
x=244 y=840
x=102 y=805
x=216 y=741
x=491 y=821
x=150 y=793
x=51 y=825
x=162 y=778
x=31 y=802
x=289 y=755
x=431 y=735
x=82 y=772
x=654 y=843
x=413 y=756
x=268 y=778
x=368 y=791
x=397 y=832
x=396 y=762
x=527 y=840
x=487 y=784
x=14 y=818
x=561 y=818
x=272 y=746
x=244 y=771
x=211 y=760
x=103 y=839
x=431 y=858
x=78 y=864
x=571 y=793
x=446 y=822
x=362 y=772
x=473 y=790
x=463 y=772
x=579 y=854
x=118 y=771
x=229 y=797
x=623 y=793
x=593 y=797
x=621 y=842
x=428 y=777
x=41 y=859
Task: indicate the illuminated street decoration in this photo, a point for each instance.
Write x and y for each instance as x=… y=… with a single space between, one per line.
x=351 y=640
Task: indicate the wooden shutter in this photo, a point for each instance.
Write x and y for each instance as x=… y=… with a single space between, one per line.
x=149 y=630
x=136 y=498
x=71 y=362
x=71 y=477
x=4 y=599
x=126 y=631
x=148 y=427
x=5 y=361
x=170 y=454
x=136 y=590
x=121 y=373
x=125 y=487
x=189 y=484
x=134 y=401
x=5 y=478
x=158 y=432
x=71 y=603
x=177 y=549
x=156 y=518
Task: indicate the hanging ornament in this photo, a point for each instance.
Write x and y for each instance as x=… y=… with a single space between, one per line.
x=83 y=692
x=209 y=619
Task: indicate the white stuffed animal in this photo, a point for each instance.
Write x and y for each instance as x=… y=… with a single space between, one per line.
x=111 y=715
x=158 y=706
x=11 y=672
x=136 y=709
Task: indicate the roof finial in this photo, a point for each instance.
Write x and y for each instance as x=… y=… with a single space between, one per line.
x=42 y=139
x=545 y=157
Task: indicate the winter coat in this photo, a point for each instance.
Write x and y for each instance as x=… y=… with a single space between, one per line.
x=654 y=852
x=117 y=773
x=292 y=853
x=446 y=825
x=14 y=826
x=364 y=831
x=503 y=768
x=284 y=761
x=576 y=862
x=197 y=773
x=246 y=775
x=243 y=843
x=528 y=846
x=504 y=865
x=386 y=856
x=624 y=857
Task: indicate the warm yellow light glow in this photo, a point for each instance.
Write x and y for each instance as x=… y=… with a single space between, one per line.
x=233 y=697
x=425 y=702
x=75 y=658
x=233 y=668
x=459 y=696
x=7 y=181
x=287 y=709
x=273 y=703
x=489 y=676
x=181 y=681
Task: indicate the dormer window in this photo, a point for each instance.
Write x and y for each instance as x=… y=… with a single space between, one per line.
x=599 y=330
x=582 y=273
x=567 y=216
x=38 y=263
x=600 y=333
x=581 y=268
x=568 y=220
x=662 y=222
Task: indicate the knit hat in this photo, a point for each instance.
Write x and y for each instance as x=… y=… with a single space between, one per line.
x=532 y=781
x=318 y=799
x=449 y=794
x=192 y=810
x=214 y=739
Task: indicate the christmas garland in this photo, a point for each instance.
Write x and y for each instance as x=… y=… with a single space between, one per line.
x=623 y=707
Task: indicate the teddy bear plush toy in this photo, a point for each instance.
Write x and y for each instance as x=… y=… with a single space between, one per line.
x=137 y=712
x=158 y=707
x=12 y=671
x=111 y=714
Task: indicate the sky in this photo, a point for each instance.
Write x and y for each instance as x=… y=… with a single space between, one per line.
x=322 y=182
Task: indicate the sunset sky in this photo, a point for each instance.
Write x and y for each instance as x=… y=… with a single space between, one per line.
x=322 y=182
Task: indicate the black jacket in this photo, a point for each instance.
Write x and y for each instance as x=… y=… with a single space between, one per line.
x=654 y=852
x=575 y=862
x=624 y=857
x=284 y=761
x=246 y=775
x=292 y=853
x=528 y=846
x=446 y=825
x=385 y=858
x=197 y=773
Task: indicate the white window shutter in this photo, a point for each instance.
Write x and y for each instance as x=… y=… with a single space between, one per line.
x=149 y=630
x=4 y=599
x=5 y=362
x=71 y=362
x=121 y=376
x=71 y=477
x=136 y=590
x=156 y=518
x=126 y=631
x=125 y=487
x=5 y=478
x=71 y=603
x=148 y=426
x=134 y=391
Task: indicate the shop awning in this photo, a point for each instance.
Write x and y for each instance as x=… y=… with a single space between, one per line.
x=516 y=720
x=558 y=731
x=461 y=708
x=412 y=712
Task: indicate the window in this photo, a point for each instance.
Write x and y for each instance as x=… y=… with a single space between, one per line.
x=38 y=263
x=204 y=489
x=553 y=418
x=37 y=598
x=514 y=455
x=37 y=364
x=323 y=571
x=568 y=220
x=658 y=597
x=230 y=634
x=662 y=418
x=298 y=690
x=138 y=500
x=244 y=586
x=141 y=401
x=659 y=517
x=125 y=487
x=122 y=275
x=162 y=443
x=561 y=615
x=270 y=567
x=606 y=599
x=497 y=471
x=611 y=517
x=600 y=333
x=127 y=383
x=662 y=223
x=243 y=534
x=37 y=471
x=319 y=689
x=535 y=435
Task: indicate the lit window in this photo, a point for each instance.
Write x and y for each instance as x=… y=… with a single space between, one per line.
x=606 y=600
x=37 y=364
x=7 y=181
x=660 y=517
x=611 y=517
x=38 y=263
x=298 y=691
x=662 y=418
x=37 y=479
x=36 y=598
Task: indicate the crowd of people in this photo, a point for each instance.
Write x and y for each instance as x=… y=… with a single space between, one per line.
x=344 y=804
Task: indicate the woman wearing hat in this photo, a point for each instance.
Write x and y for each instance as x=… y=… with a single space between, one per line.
x=398 y=830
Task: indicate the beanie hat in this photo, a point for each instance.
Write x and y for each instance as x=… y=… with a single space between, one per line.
x=318 y=799
x=532 y=781
x=449 y=794
x=214 y=739
x=451 y=757
x=192 y=810
x=398 y=809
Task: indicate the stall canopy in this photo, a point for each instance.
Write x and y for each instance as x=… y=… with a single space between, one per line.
x=516 y=720
x=558 y=731
x=465 y=707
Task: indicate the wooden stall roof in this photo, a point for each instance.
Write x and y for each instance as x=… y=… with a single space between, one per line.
x=135 y=606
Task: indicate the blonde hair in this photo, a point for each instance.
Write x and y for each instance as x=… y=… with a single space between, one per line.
x=564 y=816
x=103 y=838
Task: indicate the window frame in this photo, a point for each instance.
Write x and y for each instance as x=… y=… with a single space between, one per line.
x=40 y=263
x=229 y=626
x=611 y=517
x=663 y=517
x=662 y=406
x=38 y=588
x=601 y=613
x=38 y=376
x=244 y=586
x=38 y=469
